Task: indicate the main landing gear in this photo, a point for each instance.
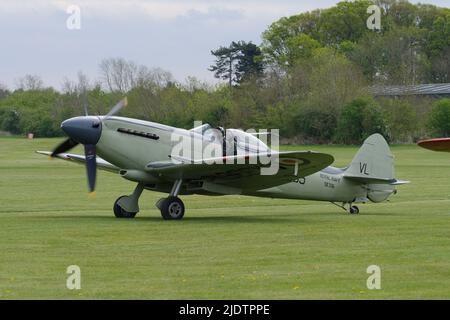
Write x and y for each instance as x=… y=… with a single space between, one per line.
x=172 y=208
x=127 y=206
x=351 y=209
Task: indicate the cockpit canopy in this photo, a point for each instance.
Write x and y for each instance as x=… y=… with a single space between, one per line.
x=201 y=129
x=244 y=141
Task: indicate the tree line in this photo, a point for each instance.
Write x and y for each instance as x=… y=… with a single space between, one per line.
x=310 y=77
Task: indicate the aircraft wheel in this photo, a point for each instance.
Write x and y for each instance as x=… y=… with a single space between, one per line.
x=119 y=212
x=354 y=210
x=172 y=208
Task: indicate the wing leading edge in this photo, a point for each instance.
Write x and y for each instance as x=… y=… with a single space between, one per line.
x=101 y=164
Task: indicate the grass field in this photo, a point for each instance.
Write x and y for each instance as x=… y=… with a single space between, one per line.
x=226 y=247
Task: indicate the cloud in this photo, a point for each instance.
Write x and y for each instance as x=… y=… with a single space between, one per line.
x=169 y=9
x=154 y=9
x=176 y=35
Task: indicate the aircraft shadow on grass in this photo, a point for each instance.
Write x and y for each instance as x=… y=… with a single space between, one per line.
x=192 y=219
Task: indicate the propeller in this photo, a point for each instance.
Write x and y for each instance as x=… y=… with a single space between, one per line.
x=66 y=145
x=87 y=131
x=91 y=165
x=122 y=103
x=85 y=104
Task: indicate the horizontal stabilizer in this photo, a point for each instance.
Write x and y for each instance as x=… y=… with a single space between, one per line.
x=365 y=180
x=399 y=182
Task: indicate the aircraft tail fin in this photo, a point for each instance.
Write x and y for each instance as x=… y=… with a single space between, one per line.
x=373 y=163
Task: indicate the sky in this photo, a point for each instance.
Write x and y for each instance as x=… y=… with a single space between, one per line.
x=175 y=35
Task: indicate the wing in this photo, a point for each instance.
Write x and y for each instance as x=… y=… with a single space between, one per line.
x=101 y=164
x=243 y=171
x=442 y=144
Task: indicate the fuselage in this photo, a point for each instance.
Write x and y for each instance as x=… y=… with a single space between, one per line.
x=326 y=185
x=131 y=151
x=131 y=144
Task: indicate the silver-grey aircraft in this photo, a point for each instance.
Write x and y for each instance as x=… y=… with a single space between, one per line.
x=142 y=152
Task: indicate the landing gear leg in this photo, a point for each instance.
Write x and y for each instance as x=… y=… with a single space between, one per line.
x=127 y=206
x=172 y=208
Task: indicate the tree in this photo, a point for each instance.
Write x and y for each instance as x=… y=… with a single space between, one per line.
x=412 y=47
x=4 y=92
x=225 y=64
x=31 y=110
x=438 y=49
x=316 y=124
x=250 y=63
x=9 y=120
x=402 y=118
x=298 y=47
x=440 y=67
x=345 y=21
x=277 y=42
x=359 y=119
x=120 y=75
x=394 y=57
x=237 y=62
x=30 y=82
x=328 y=80
x=439 y=120
x=294 y=36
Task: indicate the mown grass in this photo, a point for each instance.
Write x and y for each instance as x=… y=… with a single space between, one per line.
x=226 y=247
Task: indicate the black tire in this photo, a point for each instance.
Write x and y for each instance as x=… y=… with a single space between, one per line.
x=354 y=210
x=172 y=208
x=119 y=212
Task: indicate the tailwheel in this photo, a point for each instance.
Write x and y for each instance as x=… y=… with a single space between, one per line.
x=172 y=208
x=353 y=210
x=119 y=212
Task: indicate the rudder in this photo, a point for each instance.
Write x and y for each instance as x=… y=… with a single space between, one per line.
x=373 y=161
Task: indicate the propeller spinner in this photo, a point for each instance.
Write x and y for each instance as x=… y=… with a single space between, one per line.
x=87 y=131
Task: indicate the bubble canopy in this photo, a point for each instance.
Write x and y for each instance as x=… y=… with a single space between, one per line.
x=243 y=140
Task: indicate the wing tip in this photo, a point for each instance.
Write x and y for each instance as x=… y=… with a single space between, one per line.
x=45 y=153
x=399 y=182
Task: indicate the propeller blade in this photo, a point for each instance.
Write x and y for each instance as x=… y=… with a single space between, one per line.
x=91 y=165
x=122 y=103
x=85 y=105
x=66 y=145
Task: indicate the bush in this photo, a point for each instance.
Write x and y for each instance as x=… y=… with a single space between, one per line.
x=359 y=119
x=9 y=120
x=315 y=124
x=402 y=119
x=30 y=111
x=439 y=119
